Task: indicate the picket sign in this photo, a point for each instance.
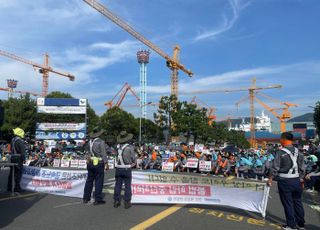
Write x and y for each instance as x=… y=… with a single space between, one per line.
x=56 y=162
x=205 y=166
x=192 y=163
x=167 y=166
x=82 y=164
x=74 y=163
x=65 y=163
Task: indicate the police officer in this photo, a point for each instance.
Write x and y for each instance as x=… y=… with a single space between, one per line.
x=18 y=152
x=125 y=161
x=97 y=162
x=288 y=167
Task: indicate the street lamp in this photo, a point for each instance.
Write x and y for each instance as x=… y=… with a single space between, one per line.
x=140 y=126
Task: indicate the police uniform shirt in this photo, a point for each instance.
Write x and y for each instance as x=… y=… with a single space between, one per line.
x=98 y=149
x=282 y=163
x=129 y=155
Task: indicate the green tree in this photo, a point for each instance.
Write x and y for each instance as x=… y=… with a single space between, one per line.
x=237 y=138
x=92 y=118
x=190 y=120
x=19 y=112
x=217 y=133
x=115 y=120
x=316 y=117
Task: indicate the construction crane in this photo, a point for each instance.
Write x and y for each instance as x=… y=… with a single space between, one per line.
x=44 y=69
x=252 y=89
x=121 y=94
x=211 y=110
x=283 y=117
x=172 y=62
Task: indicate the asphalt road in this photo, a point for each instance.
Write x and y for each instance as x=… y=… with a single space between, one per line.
x=42 y=211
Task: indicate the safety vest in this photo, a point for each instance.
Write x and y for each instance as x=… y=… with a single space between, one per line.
x=95 y=160
x=120 y=162
x=294 y=170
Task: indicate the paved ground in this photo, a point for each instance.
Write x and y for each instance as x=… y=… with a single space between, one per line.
x=41 y=211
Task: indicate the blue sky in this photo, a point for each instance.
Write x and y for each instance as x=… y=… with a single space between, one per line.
x=224 y=42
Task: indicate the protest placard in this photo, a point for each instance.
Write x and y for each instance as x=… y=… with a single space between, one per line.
x=205 y=166
x=82 y=164
x=56 y=163
x=167 y=166
x=65 y=163
x=192 y=163
x=74 y=163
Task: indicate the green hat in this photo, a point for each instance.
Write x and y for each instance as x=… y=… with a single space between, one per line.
x=124 y=137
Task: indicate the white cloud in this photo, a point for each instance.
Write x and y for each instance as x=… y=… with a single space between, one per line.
x=227 y=23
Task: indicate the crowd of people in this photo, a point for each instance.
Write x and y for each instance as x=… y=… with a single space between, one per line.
x=231 y=161
x=228 y=161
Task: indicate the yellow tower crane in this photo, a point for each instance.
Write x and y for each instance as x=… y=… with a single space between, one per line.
x=44 y=69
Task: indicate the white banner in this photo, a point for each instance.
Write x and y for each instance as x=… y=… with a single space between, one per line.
x=164 y=188
x=58 y=182
x=192 y=163
x=61 y=126
x=205 y=166
x=167 y=166
x=62 y=109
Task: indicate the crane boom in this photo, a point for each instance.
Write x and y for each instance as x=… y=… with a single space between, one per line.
x=271 y=110
x=43 y=69
x=20 y=91
x=121 y=94
x=173 y=63
x=231 y=90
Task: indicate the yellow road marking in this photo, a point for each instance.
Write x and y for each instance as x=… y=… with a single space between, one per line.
x=18 y=197
x=152 y=220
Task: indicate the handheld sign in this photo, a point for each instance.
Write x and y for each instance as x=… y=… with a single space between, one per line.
x=192 y=163
x=56 y=163
x=205 y=166
x=65 y=163
x=74 y=164
x=167 y=167
x=82 y=164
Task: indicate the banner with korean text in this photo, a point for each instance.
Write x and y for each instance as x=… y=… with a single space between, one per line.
x=58 y=182
x=167 y=188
